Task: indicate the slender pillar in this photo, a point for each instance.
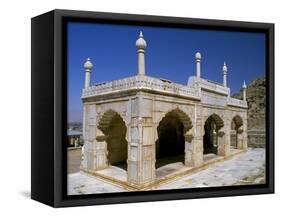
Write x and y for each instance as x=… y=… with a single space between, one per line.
x=88 y=69
x=220 y=143
x=141 y=155
x=141 y=46
x=223 y=142
x=189 y=150
x=244 y=133
x=244 y=91
x=224 y=70
x=94 y=148
x=198 y=64
x=239 y=138
x=196 y=144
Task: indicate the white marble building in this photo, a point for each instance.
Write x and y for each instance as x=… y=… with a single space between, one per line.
x=141 y=123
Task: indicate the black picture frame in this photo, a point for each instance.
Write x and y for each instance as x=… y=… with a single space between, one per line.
x=49 y=118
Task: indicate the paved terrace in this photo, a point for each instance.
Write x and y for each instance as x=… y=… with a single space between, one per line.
x=245 y=168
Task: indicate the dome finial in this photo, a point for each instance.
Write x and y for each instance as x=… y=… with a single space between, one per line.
x=88 y=65
x=198 y=56
x=244 y=84
x=244 y=87
x=224 y=68
x=141 y=43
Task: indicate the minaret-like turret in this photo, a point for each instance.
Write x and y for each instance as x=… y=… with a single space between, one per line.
x=141 y=46
x=198 y=62
x=224 y=70
x=244 y=90
x=88 y=70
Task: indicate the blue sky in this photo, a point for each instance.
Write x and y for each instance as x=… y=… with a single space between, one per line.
x=169 y=54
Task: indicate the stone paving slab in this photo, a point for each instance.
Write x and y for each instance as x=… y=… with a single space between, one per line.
x=230 y=172
x=245 y=168
x=115 y=172
x=81 y=183
x=170 y=168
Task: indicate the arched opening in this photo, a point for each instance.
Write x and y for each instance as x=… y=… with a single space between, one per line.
x=170 y=145
x=114 y=129
x=236 y=131
x=211 y=130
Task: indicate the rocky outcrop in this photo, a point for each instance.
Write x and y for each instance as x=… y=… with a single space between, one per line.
x=256 y=98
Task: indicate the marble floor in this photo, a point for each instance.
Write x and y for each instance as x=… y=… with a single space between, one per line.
x=245 y=168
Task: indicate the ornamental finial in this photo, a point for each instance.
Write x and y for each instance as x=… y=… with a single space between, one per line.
x=198 y=56
x=244 y=85
x=88 y=65
x=141 y=43
x=224 y=68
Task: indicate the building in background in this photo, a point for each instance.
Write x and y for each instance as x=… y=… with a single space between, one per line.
x=75 y=138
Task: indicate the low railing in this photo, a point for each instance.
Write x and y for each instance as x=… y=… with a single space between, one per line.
x=237 y=102
x=140 y=82
x=213 y=86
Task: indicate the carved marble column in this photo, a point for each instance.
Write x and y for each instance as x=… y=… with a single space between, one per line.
x=189 y=150
x=245 y=132
x=87 y=159
x=141 y=159
x=220 y=144
x=197 y=141
x=100 y=151
x=94 y=149
x=224 y=139
x=239 y=138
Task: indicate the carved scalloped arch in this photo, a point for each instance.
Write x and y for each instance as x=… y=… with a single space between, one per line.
x=105 y=120
x=238 y=121
x=217 y=119
x=182 y=116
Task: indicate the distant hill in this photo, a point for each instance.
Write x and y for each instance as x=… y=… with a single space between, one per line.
x=256 y=98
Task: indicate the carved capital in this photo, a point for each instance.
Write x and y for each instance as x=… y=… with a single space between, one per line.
x=101 y=138
x=188 y=137
x=220 y=134
x=239 y=131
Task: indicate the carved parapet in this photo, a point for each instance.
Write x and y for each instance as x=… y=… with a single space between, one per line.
x=213 y=86
x=141 y=82
x=237 y=103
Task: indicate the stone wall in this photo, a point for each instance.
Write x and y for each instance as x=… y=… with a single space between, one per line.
x=256 y=138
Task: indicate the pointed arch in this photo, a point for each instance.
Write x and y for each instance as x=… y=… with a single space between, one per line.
x=114 y=129
x=212 y=127
x=182 y=116
x=236 y=132
x=217 y=119
x=238 y=121
x=106 y=119
x=170 y=143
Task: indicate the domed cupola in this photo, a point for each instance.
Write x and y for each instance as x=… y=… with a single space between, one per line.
x=141 y=43
x=88 y=64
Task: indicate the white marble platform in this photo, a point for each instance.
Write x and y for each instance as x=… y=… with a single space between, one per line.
x=245 y=168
